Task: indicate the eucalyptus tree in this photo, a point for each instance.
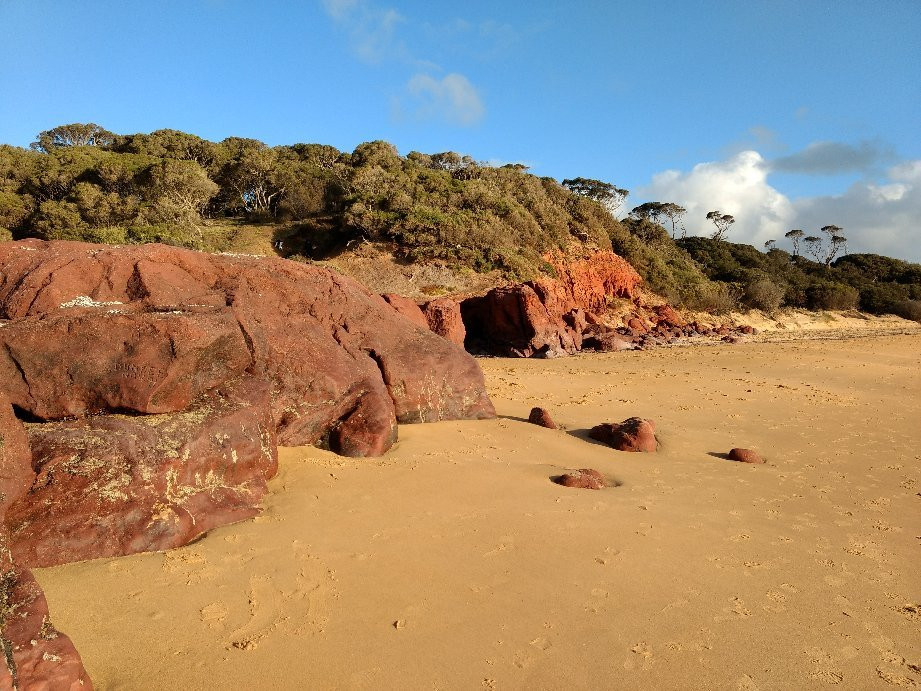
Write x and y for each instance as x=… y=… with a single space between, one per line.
x=722 y=222
x=609 y=196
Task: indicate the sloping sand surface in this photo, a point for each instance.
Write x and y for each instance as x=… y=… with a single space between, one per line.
x=454 y=563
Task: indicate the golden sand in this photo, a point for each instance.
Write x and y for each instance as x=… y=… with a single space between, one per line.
x=454 y=563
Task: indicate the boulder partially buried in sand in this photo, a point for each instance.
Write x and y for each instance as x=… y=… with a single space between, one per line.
x=585 y=478
x=745 y=456
x=541 y=417
x=633 y=434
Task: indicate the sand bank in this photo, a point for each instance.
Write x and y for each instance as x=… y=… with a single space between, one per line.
x=453 y=562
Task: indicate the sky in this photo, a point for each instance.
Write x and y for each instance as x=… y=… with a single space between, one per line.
x=786 y=114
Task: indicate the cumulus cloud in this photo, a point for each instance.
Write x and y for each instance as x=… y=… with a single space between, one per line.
x=830 y=158
x=452 y=99
x=881 y=217
x=736 y=186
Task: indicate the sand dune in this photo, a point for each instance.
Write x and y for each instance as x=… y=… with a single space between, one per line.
x=453 y=562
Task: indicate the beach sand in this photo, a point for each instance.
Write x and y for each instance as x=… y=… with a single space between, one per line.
x=454 y=563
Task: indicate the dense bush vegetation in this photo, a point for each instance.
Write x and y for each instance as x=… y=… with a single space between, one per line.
x=872 y=283
x=83 y=182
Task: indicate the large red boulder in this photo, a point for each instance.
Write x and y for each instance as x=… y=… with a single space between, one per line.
x=514 y=321
x=116 y=484
x=408 y=308
x=90 y=360
x=340 y=365
x=633 y=434
x=444 y=318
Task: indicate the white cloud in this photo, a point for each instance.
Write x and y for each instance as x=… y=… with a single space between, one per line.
x=736 y=186
x=882 y=218
x=452 y=99
x=371 y=29
x=878 y=217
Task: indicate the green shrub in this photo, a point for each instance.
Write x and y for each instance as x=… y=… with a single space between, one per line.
x=763 y=294
x=830 y=295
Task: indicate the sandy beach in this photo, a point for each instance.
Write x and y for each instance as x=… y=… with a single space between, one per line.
x=454 y=563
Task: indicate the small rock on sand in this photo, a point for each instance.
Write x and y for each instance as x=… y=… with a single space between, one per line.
x=586 y=478
x=745 y=456
x=540 y=416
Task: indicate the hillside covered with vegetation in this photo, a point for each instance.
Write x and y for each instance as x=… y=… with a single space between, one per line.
x=83 y=182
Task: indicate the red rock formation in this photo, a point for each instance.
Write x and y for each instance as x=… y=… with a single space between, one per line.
x=85 y=361
x=586 y=478
x=114 y=484
x=339 y=363
x=444 y=318
x=745 y=456
x=408 y=308
x=546 y=318
x=37 y=656
x=15 y=456
x=540 y=417
x=633 y=434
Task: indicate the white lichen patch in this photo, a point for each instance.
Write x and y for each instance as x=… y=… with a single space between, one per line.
x=87 y=301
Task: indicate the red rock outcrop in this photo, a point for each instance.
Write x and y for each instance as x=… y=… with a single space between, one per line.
x=444 y=318
x=586 y=478
x=540 y=417
x=36 y=655
x=408 y=308
x=547 y=317
x=114 y=484
x=633 y=434
x=15 y=456
x=339 y=364
x=745 y=456
x=86 y=361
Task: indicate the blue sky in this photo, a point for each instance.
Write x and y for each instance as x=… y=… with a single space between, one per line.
x=785 y=114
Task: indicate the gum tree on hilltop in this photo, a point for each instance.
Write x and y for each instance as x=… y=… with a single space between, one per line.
x=795 y=236
x=674 y=213
x=609 y=196
x=722 y=222
x=75 y=134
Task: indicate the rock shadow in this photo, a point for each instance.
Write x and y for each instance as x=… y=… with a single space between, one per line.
x=718 y=454
x=583 y=434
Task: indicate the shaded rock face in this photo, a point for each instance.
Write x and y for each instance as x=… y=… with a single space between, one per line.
x=541 y=417
x=745 y=456
x=633 y=434
x=547 y=318
x=586 y=478
x=342 y=370
x=112 y=485
x=35 y=654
